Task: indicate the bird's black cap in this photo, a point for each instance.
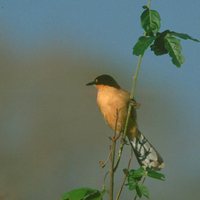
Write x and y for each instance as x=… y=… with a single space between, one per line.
x=105 y=80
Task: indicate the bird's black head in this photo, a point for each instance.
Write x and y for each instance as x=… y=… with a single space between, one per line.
x=106 y=80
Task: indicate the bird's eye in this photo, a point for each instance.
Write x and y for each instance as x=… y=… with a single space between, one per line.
x=96 y=80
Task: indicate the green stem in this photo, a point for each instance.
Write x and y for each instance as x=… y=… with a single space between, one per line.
x=133 y=88
x=149 y=4
x=112 y=160
x=112 y=170
x=113 y=148
x=135 y=77
x=125 y=176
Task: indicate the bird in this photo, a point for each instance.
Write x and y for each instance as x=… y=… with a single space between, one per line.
x=113 y=102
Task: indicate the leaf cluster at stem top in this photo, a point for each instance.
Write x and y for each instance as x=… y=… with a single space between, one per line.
x=161 y=43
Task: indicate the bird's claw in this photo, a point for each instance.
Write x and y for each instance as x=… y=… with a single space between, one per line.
x=134 y=104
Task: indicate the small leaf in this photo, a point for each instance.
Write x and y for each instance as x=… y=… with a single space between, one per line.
x=184 y=36
x=173 y=46
x=126 y=172
x=145 y=7
x=134 y=176
x=143 y=190
x=83 y=194
x=139 y=173
x=142 y=44
x=138 y=191
x=154 y=174
x=132 y=185
x=158 y=47
x=150 y=21
x=96 y=195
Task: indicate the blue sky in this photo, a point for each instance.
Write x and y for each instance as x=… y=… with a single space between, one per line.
x=103 y=27
x=112 y=26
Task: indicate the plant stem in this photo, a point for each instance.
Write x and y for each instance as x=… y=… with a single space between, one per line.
x=149 y=4
x=112 y=169
x=113 y=166
x=112 y=160
x=125 y=176
x=119 y=153
x=135 y=77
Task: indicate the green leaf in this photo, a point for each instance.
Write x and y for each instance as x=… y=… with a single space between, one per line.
x=142 y=191
x=138 y=191
x=154 y=174
x=150 y=21
x=138 y=173
x=132 y=185
x=173 y=46
x=142 y=44
x=158 y=47
x=83 y=194
x=134 y=176
x=184 y=36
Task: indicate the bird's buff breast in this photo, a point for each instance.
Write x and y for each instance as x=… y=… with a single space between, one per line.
x=113 y=105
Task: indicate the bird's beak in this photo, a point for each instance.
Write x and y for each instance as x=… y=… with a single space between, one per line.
x=90 y=83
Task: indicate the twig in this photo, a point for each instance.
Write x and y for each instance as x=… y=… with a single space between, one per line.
x=135 y=80
x=119 y=153
x=132 y=93
x=112 y=159
x=125 y=176
x=149 y=3
x=104 y=181
x=136 y=105
x=135 y=77
x=103 y=163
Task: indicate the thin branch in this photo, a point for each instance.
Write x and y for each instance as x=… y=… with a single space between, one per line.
x=104 y=181
x=133 y=88
x=125 y=176
x=135 y=77
x=134 y=83
x=103 y=163
x=149 y=4
x=119 y=153
x=112 y=159
x=113 y=148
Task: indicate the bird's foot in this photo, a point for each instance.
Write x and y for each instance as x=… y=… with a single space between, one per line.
x=135 y=104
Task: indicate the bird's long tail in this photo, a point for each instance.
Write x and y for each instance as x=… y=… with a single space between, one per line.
x=145 y=153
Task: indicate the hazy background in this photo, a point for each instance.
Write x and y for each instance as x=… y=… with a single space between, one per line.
x=51 y=132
